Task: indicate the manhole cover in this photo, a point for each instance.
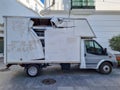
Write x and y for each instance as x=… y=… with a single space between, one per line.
x=4 y=69
x=49 y=81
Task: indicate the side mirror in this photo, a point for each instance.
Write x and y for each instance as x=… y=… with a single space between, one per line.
x=105 y=51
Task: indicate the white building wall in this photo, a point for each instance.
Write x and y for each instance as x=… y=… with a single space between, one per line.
x=35 y=5
x=59 y=4
x=99 y=4
x=107 y=4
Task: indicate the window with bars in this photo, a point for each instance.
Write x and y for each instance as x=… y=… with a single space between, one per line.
x=82 y=4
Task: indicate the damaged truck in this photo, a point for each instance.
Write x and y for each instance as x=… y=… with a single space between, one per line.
x=34 y=43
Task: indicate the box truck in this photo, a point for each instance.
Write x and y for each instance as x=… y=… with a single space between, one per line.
x=34 y=42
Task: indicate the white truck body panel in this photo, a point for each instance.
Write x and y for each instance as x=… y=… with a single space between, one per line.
x=83 y=64
x=21 y=44
x=62 y=45
x=83 y=29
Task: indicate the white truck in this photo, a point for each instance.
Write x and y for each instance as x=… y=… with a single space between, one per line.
x=34 y=43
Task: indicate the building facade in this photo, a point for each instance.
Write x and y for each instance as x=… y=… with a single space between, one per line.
x=103 y=16
x=84 y=4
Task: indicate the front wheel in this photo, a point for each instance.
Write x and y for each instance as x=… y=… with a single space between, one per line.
x=32 y=70
x=105 y=68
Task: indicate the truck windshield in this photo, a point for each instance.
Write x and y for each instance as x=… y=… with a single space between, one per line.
x=93 y=47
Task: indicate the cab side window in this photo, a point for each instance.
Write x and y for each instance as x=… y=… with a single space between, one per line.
x=93 y=47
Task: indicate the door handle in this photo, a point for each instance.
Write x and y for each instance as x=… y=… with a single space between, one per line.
x=85 y=54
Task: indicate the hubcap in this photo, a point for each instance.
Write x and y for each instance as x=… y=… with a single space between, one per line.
x=106 y=68
x=32 y=71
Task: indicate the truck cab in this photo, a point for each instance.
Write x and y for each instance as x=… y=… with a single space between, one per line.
x=97 y=57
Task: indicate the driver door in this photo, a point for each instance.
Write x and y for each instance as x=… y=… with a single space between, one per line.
x=94 y=53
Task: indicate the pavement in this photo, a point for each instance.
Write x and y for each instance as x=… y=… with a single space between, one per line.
x=75 y=79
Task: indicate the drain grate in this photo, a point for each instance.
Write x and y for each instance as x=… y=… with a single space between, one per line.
x=49 y=81
x=4 y=70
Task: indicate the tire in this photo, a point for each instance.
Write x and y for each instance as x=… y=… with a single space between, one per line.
x=105 y=68
x=32 y=70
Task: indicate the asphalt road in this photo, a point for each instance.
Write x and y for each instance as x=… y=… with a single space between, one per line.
x=75 y=79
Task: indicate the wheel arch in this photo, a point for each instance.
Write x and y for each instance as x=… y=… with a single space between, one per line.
x=103 y=61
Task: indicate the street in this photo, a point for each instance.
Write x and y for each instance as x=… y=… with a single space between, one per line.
x=75 y=79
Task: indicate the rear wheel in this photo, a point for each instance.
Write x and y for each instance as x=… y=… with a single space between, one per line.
x=32 y=70
x=105 y=68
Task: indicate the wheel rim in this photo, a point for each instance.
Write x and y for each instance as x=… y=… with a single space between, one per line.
x=106 y=68
x=32 y=71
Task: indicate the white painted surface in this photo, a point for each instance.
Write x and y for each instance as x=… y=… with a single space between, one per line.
x=99 y=4
x=80 y=26
x=61 y=46
x=35 y=5
x=59 y=4
x=83 y=61
x=14 y=8
x=83 y=29
x=20 y=42
x=107 y=5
